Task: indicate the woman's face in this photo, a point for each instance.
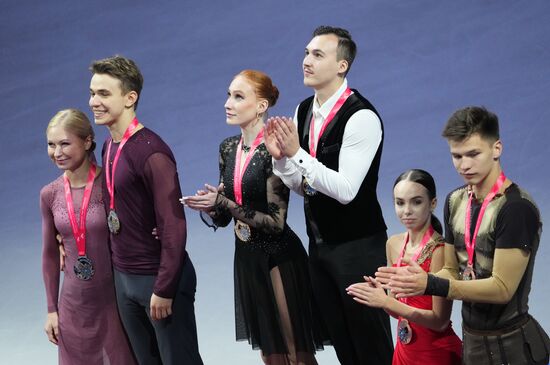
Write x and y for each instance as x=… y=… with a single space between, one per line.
x=242 y=105
x=412 y=204
x=67 y=150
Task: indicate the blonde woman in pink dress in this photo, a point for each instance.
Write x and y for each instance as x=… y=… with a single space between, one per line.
x=82 y=319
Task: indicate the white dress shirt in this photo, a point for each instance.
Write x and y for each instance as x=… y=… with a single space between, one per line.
x=362 y=136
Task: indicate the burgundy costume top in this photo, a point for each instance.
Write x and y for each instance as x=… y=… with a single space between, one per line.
x=147 y=195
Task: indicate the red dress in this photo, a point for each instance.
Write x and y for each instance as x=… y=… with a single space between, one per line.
x=428 y=347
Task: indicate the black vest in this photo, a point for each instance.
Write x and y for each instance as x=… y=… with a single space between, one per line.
x=328 y=220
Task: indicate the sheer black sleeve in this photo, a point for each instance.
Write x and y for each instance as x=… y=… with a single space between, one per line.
x=271 y=222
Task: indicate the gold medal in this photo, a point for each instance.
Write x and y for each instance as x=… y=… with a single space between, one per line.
x=242 y=230
x=308 y=190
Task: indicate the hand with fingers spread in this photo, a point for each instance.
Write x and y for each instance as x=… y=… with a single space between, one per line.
x=52 y=327
x=160 y=307
x=369 y=293
x=203 y=200
x=270 y=138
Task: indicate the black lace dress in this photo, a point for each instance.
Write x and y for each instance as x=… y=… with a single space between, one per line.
x=271 y=244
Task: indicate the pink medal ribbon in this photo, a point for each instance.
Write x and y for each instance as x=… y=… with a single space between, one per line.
x=83 y=267
x=112 y=219
x=312 y=142
x=425 y=239
x=238 y=172
x=404 y=330
x=110 y=176
x=469 y=241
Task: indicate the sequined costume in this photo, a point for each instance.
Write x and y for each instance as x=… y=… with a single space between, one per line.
x=428 y=347
x=90 y=331
x=272 y=244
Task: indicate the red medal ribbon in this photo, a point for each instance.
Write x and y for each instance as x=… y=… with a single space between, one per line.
x=330 y=116
x=79 y=231
x=238 y=172
x=468 y=240
x=425 y=239
x=111 y=176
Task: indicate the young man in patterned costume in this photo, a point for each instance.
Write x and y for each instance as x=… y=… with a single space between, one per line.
x=492 y=231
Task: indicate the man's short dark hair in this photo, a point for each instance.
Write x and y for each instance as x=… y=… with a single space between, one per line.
x=123 y=69
x=472 y=120
x=347 y=49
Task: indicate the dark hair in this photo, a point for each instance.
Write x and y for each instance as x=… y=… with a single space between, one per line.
x=123 y=69
x=472 y=120
x=347 y=49
x=262 y=84
x=423 y=178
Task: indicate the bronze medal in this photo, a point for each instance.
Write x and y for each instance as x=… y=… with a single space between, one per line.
x=242 y=230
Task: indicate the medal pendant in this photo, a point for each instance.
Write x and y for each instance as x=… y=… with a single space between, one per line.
x=308 y=190
x=468 y=273
x=242 y=230
x=404 y=331
x=113 y=222
x=83 y=268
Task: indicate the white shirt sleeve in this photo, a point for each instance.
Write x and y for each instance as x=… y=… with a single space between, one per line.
x=362 y=136
x=287 y=171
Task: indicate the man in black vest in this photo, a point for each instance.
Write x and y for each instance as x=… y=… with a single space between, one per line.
x=332 y=157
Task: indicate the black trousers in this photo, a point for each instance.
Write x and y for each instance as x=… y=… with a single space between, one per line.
x=172 y=340
x=360 y=335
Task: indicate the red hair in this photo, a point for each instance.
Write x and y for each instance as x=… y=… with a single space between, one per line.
x=262 y=84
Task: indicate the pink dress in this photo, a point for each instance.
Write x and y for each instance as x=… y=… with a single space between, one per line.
x=90 y=331
x=428 y=347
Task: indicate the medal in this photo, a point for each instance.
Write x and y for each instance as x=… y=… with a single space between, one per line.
x=469 y=241
x=242 y=230
x=83 y=269
x=468 y=273
x=112 y=220
x=308 y=190
x=404 y=331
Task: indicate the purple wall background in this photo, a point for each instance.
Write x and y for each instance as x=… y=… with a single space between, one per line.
x=417 y=62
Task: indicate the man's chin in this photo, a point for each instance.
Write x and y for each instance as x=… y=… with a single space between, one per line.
x=308 y=82
x=101 y=121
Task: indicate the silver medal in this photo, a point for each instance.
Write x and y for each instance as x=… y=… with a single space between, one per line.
x=113 y=222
